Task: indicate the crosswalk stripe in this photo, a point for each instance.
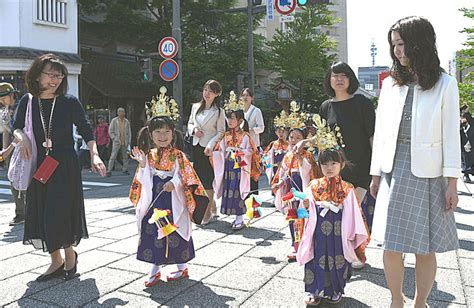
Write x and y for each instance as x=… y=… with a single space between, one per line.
x=5 y=191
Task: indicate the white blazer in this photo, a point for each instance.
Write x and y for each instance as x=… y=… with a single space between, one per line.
x=256 y=124
x=213 y=126
x=435 y=142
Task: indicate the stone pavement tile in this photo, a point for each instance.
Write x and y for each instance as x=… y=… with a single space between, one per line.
x=444 y=260
x=368 y=288
x=113 y=221
x=467 y=271
x=15 y=249
x=9 y=234
x=118 y=298
x=86 y=287
x=92 y=260
x=465 y=235
x=244 y=274
x=22 y=285
x=466 y=249
x=221 y=226
x=274 y=221
x=469 y=296
x=249 y=236
x=374 y=262
x=278 y=292
x=276 y=248
x=202 y=237
x=93 y=230
x=167 y=290
x=434 y=303
x=131 y=263
x=126 y=246
x=21 y=264
x=119 y=233
x=292 y=270
x=102 y=215
x=28 y=302
x=202 y=295
x=219 y=254
x=92 y=243
x=446 y=288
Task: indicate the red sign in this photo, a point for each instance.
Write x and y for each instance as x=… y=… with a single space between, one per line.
x=168 y=47
x=382 y=76
x=169 y=70
x=285 y=7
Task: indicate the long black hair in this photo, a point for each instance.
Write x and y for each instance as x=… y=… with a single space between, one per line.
x=145 y=141
x=239 y=115
x=419 y=40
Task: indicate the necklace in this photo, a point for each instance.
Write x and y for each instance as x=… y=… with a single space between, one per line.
x=48 y=143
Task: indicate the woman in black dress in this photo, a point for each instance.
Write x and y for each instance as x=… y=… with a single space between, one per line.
x=55 y=217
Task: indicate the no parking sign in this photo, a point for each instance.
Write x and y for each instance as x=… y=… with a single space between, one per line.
x=169 y=70
x=285 y=7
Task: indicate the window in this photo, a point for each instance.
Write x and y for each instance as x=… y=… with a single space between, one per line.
x=51 y=12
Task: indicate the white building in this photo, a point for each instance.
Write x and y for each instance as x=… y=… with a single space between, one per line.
x=31 y=28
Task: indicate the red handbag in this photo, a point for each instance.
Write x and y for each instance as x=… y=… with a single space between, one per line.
x=47 y=168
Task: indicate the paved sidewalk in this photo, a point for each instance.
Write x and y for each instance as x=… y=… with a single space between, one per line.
x=237 y=268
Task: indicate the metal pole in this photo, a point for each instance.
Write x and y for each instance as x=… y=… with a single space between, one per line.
x=178 y=82
x=250 y=64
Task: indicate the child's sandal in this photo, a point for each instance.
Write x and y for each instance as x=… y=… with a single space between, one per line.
x=153 y=280
x=312 y=300
x=335 y=299
x=184 y=274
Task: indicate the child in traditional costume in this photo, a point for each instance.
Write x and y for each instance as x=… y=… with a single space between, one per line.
x=295 y=171
x=167 y=193
x=276 y=150
x=235 y=160
x=335 y=227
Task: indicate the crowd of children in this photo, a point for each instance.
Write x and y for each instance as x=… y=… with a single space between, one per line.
x=326 y=222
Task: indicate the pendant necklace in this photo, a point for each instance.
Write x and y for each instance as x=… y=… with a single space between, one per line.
x=48 y=143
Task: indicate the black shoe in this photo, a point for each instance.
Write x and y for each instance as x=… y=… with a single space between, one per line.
x=17 y=220
x=69 y=274
x=126 y=172
x=109 y=174
x=57 y=273
x=466 y=178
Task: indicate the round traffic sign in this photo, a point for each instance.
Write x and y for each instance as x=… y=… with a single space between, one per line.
x=168 y=47
x=169 y=70
x=285 y=7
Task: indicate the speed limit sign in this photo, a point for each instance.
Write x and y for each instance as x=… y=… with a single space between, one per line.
x=168 y=47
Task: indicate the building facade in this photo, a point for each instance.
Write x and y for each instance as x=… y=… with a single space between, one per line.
x=369 y=78
x=31 y=28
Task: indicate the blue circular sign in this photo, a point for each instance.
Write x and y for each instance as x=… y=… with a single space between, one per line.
x=169 y=70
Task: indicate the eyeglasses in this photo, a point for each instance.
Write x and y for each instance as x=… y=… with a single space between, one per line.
x=54 y=76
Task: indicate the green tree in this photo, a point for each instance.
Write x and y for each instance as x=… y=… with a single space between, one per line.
x=465 y=60
x=303 y=53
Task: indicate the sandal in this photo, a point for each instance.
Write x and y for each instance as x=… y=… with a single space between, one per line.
x=312 y=300
x=184 y=274
x=335 y=299
x=153 y=280
x=238 y=226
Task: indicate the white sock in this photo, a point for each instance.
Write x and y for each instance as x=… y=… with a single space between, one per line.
x=153 y=271
x=239 y=219
x=181 y=267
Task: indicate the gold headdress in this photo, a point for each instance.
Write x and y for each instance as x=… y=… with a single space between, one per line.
x=325 y=138
x=281 y=121
x=164 y=106
x=296 y=119
x=232 y=104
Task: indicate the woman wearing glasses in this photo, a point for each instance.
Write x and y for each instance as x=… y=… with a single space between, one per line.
x=55 y=217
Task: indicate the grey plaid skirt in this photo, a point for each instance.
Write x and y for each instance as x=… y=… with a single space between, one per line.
x=415 y=220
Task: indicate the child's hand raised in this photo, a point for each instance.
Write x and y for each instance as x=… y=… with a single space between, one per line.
x=139 y=156
x=168 y=187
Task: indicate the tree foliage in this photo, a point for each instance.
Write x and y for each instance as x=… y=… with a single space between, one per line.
x=303 y=53
x=465 y=60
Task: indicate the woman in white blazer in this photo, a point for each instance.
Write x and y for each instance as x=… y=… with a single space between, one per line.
x=207 y=125
x=415 y=159
x=253 y=116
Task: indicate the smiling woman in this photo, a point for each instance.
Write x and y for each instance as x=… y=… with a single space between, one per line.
x=55 y=217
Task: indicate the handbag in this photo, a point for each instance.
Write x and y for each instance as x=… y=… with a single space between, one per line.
x=20 y=171
x=46 y=169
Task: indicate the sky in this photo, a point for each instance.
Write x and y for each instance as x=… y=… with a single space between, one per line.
x=370 y=20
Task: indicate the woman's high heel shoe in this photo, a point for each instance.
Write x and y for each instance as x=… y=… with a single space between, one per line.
x=69 y=274
x=57 y=273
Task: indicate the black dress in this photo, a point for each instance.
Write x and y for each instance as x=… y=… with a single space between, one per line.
x=356 y=118
x=55 y=216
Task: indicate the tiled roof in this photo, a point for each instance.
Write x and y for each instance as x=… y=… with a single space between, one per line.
x=30 y=53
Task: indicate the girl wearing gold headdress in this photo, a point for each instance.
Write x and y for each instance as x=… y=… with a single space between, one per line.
x=277 y=149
